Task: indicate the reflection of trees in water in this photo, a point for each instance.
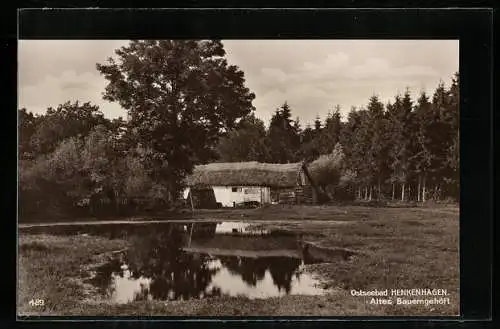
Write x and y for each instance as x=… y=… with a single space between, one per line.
x=156 y=253
x=282 y=270
x=204 y=230
x=103 y=278
x=174 y=274
x=186 y=278
x=253 y=270
x=142 y=294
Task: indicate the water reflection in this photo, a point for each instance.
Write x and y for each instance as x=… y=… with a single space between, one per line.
x=124 y=230
x=156 y=267
x=252 y=270
x=239 y=228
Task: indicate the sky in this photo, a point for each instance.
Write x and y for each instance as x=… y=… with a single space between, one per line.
x=313 y=76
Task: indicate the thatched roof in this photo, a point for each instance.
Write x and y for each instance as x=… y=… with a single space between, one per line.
x=245 y=174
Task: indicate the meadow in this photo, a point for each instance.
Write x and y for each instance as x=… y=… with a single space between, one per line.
x=391 y=248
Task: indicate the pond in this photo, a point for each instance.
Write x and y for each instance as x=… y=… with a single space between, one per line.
x=182 y=260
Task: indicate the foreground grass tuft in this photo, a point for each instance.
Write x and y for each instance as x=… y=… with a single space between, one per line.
x=50 y=268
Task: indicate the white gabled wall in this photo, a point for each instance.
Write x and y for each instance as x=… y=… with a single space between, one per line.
x=226 y=196
x=223 y=195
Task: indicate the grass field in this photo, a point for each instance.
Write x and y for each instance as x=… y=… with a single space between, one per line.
x=396 y=248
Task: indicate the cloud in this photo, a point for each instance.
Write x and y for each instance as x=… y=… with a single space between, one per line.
x=83 y=85
x=68 y=86
x=275 y=75
x=312 y=75
x=334 y=63
x=39 y=58
x=302 y=98
x=337 y=66
x=315 y=88
x=378 y=68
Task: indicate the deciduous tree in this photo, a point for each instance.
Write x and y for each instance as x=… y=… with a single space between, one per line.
x=246 y=143
x=181 y=96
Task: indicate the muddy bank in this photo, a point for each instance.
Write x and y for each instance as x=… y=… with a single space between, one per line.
x=326 y=254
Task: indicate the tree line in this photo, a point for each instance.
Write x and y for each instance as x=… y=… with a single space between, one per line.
x=187 y=105
x=180 y=97
x=404 y=150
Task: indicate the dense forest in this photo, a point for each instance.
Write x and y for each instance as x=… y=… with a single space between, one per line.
x=404 y=150
x=186 y=105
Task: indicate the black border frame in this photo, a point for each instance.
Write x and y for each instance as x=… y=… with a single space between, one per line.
x=473 y=27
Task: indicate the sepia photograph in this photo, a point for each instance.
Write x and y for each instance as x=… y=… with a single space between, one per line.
x=238 y=177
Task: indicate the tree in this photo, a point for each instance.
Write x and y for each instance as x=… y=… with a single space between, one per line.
x=317 y=133
x=451 y=118
x=421 y=144
x=66 y=169
x=298 y=138
x=326 y=171
x=352 y=151
x=246 y=143
x=330 y=134
x=283 y=138
x=66 y=121
x=378 y=149
x=181 y=96
x=27 y=125
x=399 y=116
x=440 y=135
x=38 y=193
x=317 y=125
x=361 y=151
x=138 y=187
x=100 y=157
x=308 y=150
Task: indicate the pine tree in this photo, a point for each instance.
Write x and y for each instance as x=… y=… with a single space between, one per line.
x=399 y=115
x=439 y=134
x=377 y=152
x=297 y=138
x=421 y=144
x=361 y=151
x=405 y=151
x=451 y=120
x=348 y=141
x=317 y=125
x=283 y=139
x=330 y=134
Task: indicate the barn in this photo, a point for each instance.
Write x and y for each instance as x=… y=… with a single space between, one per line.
x=236 y=183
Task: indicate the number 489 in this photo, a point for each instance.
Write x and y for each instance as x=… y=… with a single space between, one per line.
x=36 y=302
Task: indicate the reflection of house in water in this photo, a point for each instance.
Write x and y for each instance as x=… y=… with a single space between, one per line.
x=204 y=230
x=236 y=183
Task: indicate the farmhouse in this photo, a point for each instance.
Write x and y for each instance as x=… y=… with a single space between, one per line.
x=236 y=183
